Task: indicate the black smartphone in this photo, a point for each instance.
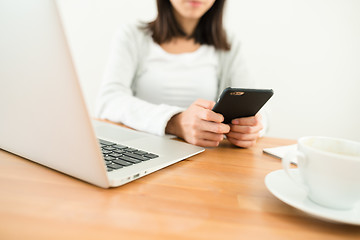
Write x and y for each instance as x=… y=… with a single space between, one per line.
x=241 y=102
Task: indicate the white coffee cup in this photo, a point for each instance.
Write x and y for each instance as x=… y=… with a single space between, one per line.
x=329 y=169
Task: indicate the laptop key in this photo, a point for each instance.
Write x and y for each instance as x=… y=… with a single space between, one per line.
x=151 y=155
x=109 y=158
x=115 y=155
x=136 y=156
x=129 y=159
x=105 y=152
x=114 y=166
x=139 y=152
x=118 y=151
x=118 y=146
x=110 y=148
x=104 y=142
x=122 y=162
x=131 y=150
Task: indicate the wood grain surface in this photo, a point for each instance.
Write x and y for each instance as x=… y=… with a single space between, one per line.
x=218 y=194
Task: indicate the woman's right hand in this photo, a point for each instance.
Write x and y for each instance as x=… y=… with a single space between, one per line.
x=199 y=125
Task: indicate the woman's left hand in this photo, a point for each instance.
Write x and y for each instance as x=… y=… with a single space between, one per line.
x=245 y=131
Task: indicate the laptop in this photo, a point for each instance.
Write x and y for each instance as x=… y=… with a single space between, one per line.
x=43 y=115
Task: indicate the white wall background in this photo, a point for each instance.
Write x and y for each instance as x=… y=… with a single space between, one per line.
x=308 y=51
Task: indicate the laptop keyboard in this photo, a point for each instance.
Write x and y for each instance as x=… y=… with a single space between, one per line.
x=117 y=156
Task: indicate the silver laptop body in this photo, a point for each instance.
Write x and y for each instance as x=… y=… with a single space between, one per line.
x=43 y=116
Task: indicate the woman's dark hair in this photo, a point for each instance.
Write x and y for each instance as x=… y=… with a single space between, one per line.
x=209 y=30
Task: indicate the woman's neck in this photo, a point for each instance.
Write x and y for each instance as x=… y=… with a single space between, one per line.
x=179 y=45
x=187 y=24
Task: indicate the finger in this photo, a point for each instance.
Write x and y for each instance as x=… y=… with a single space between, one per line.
x=210 y=116
x=243 y=137
x=248 y=121
x=246 y=129
x=241 y=143
x=213 y=127
x=210 y=136
x=205 y=103
x=205 y=111
x=204 y=143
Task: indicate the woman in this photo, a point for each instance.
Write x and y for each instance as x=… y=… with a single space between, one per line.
x=163 y=77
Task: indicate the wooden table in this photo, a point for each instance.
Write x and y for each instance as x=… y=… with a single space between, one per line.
x=218 y=194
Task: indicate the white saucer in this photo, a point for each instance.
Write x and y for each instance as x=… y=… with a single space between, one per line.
x=282 y=187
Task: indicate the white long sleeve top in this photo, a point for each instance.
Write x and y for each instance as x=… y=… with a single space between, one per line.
x=144 y=86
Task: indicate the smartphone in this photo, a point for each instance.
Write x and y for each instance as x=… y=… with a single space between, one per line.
x=241 y=102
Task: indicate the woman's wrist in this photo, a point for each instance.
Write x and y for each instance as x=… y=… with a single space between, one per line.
x=172 y=126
